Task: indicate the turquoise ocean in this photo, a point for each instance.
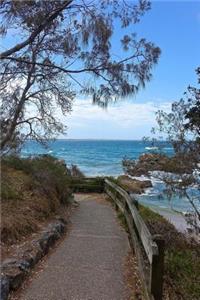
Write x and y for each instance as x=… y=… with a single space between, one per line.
x=94 y=157
x=104 y=158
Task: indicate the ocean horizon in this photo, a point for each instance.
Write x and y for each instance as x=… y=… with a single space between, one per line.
x=94 y=157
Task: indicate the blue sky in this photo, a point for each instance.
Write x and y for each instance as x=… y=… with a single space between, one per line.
x=175 y=27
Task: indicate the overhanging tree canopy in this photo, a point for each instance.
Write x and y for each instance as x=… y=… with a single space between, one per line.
x=64 y=48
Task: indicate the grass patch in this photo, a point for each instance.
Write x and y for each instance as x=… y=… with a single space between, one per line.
x=32 y=191
x=7 y=192
x=122 y=220
x=182 y=258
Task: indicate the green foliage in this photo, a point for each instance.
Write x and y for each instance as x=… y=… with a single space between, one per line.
x=80 y=31
x=182 y=258
x=182 y=266
x=149 y=215
x=181 y=127
x=122 y=220
x=17 y=163
x=33 y=190
x=75 y=172
x=8 y=192
x=49 y=174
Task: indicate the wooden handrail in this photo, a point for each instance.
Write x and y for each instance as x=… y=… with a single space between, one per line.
x=149 y=245
x=153 y=245
x=140 y=235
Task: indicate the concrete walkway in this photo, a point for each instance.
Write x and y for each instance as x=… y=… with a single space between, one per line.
x=89 y=263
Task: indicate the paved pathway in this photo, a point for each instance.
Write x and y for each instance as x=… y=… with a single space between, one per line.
x=89 y=263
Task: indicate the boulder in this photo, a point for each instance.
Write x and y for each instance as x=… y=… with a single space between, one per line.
x=5 y=287
x=145 y=163
x=14 y=271
x=33 y=254
x=52 y=234
x=133 y=185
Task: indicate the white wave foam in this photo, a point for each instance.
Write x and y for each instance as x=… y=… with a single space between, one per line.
x=141 y=178
x=151 y=148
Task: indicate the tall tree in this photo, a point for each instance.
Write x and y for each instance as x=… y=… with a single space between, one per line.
x=64 y=48
x=182 y=128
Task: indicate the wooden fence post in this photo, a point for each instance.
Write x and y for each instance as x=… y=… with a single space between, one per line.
x=157 y=269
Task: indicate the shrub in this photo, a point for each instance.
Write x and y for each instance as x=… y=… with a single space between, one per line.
x=49 y=175
x=7 y=192
x=76 y=172
x=182 y=258
x=33 y=190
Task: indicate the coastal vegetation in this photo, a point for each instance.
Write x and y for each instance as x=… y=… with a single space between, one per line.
x=65 y=50
x=182 y=253
x=181 y=172
x=33 y=190
x=182 y=258
x=37 y=189
x=182 y=128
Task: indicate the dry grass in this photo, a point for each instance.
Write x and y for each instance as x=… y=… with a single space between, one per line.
x=21 y=215
x=182 y=259
x=133 y=277
x=27 y=201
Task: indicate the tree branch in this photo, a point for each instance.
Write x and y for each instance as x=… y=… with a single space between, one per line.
x=100 y=67
x=35 y=33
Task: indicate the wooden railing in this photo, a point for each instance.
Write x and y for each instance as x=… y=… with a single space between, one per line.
x=87 y=184
x=148 y=249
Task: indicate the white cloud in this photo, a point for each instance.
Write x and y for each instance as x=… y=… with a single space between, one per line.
x=123 y=120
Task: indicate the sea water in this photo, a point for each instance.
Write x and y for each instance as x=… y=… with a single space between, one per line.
x=104 y=158
x=94 y=157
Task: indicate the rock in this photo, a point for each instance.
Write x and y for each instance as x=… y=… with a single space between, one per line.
x=22 y=264
x=49 y=237
x=29 y=257
x=47 y=240
x=8 y=261
x=146 y=162
x=60 y=162
x=34 y=253
x=58 y=227
x=14 y=271
x=145 y=183
x=15 y=275
x=5 y=287
x=134 y=185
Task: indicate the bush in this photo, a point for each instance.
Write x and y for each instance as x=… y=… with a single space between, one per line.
x=33 y=190
x=7 y=192
x=182 y=258
x=49 y=174
x=76 y=172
